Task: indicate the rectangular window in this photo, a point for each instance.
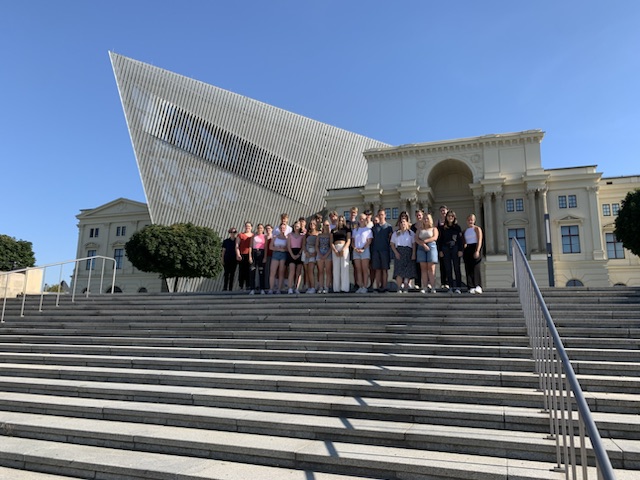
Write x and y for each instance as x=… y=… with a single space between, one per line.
x=615 y=208
x=510 y=205
x=118 y=254
x=606 y=209
x=91 y=264
x=394 y=213
x=93 y=233
x=562 y=201
x=573 y=201
x=121 y=231
x=388 y=212
x=347 y=214
x=570 y=239
x=519 y=205
x=614 y=247
x=519 y=235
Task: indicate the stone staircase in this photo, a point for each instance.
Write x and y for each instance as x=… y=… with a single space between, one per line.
x=322 y=387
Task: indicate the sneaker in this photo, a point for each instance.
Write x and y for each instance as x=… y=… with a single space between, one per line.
x=457 y=290
x=472 y=290
x=252 y=292
x=296 y=291
x=277 y=292
x=433 y=290
x=311 y=290
x=270 y=292
x=478 y=289
x=290 y=291
x=446 y=287
x=422 y=290
x=262 y=292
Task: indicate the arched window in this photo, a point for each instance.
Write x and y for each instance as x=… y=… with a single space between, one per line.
x=142 y=290
x=575 y=283
x=116 y=289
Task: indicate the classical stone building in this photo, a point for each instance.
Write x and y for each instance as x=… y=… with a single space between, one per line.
x=103 y=231
x=216 y=159
x=500 y=178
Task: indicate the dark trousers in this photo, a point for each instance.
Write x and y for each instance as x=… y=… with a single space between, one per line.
x=451 y=262
x=472 y=266
x=258 y=258
x=244 y=273
x=229 y=274
x=443 y=273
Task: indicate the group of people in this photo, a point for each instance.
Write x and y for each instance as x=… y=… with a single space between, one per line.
x=318 y=253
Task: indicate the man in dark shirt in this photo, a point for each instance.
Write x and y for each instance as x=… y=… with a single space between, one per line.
x=229 y=259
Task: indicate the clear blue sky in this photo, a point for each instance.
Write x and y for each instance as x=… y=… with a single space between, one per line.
x=400 y=72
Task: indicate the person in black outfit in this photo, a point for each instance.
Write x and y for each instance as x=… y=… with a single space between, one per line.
x=450 y=248
x=229 y=259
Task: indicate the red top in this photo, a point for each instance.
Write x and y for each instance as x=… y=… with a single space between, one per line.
x=244 y=243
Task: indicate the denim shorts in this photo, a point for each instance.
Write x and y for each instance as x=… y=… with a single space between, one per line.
x=279 y=255
x=430 y=256
x=366 y=255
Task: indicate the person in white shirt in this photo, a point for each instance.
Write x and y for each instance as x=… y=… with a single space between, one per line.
x=404 y=249
x=362 y=236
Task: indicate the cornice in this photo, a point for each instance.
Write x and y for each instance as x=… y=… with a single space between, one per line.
x=458 y=145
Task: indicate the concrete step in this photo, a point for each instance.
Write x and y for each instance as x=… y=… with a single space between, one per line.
x=246 y=395
x=15 y=474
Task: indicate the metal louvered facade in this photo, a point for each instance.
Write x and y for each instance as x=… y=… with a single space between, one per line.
x=216 y=158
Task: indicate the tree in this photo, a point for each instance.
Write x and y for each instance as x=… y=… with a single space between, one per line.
x=182 y=250
x=628 y=222
x=15 y=254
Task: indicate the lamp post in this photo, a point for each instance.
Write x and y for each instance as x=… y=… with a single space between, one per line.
x=547 y=228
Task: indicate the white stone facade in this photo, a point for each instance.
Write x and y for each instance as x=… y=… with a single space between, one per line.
x=104 y=231
x=500 y=178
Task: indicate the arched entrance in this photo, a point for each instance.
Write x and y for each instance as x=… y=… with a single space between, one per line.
x=449 y=182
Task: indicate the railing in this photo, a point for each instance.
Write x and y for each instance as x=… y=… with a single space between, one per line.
x=558 y=382
x=44 y=268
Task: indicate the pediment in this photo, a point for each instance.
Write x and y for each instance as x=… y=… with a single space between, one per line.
x=120 y=206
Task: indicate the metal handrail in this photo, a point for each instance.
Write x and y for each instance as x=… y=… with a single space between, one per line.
x=61 y=265
x=558 y=381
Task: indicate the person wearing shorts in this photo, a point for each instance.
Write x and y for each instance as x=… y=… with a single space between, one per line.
x=362 y=238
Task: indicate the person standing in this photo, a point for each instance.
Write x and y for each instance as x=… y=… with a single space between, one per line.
x=427 y=253
x=258 y=254
x=403 y=246
x=362 y=238
x=278 y=259
x=450 y=250
x=472 y=255
x=415 y=283
x=309 y=247
x=380 y=250
x=229 y=260
x=294 y=260
x=325 y=262
x=444 y=281
x=243 y=255
x=340 y=242
x=267 y=254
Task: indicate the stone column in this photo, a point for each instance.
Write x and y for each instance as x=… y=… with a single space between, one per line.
x=499 y=222
x=535 y=221
x=489 y=227
x=594 y=224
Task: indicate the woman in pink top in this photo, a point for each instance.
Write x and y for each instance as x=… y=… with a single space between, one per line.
x=294 y=260
x=258 y=244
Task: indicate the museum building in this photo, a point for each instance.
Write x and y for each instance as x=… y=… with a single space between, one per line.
x=216 y=159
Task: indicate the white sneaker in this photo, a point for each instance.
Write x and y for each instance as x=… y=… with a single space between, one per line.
x=457 y=290
x=262 y=292
x=478 y=289
x=290 y=291
x=472 y=290
x=422 y=290
x=252 y=292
